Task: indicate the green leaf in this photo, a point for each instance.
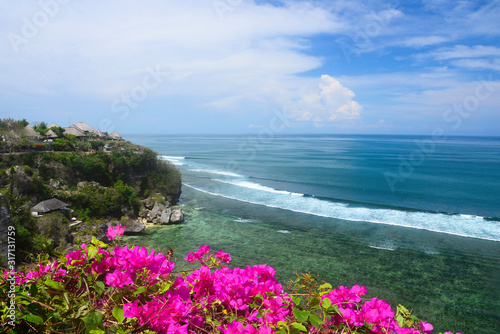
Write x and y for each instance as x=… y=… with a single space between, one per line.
x=315 y=321
x=66 y=299
x=300 y=327
x=92 y=319
x=165 y=287
x=301 y=316
x=259 y=296
x=296 y=300
x=326 y=303
x=99 y=287
x=95 y=331
x=92 y=251
x=139 y=290
x=54 y=284
x=33 y=319
x=400 y=319
x=326 y=286
x=335 y=309
x=99 y=243
x=44 y=292
x=33 y=290
x=314 y=303
x=119 y=314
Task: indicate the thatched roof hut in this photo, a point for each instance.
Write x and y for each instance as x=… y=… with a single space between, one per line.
x=53 y=125
x=115 y=135
x=100 y=134
x=50 y=205
x=51 y=134
x=74 y=130
x=29 y=132
x=85 y=127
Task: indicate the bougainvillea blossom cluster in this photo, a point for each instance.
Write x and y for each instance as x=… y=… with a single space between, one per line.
x=212 y=298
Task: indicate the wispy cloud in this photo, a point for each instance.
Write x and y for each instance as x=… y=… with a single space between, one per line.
x=493 y=64
x=422 y=41
x=463 y=51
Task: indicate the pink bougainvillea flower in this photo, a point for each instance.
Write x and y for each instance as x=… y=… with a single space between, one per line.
x=242 y=300
x=118 y=278
x=197 y=256
x=114 y=232
x=204 y=250
x=426 y=327
x=224 y=257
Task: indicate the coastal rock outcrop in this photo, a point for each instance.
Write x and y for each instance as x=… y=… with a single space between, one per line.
x=134 y=228
x=158 y=211
x=177 y=216
x=164 y=219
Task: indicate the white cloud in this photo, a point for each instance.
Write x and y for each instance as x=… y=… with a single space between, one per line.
x=329 y=101
x=101 y=49
x=422 y=41
x=494 y=64
x=464 y=51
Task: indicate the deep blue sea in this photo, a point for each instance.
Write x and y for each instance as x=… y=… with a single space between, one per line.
x=414 y=219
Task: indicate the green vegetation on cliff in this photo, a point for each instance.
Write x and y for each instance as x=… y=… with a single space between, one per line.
x=100 y=179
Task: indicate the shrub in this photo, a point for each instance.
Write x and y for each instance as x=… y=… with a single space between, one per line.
x=53 y=226
x=28 y=170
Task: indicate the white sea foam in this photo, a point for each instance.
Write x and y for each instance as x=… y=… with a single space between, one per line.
x=168 y=157
x=385 y=245
x=382 y=247
x=241 y=220
x=283 y=231
x=256 y=186
x=218 y=172
x=474 y=226
x=174 y=160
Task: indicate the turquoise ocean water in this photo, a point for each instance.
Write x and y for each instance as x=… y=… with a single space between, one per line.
x=415 y=220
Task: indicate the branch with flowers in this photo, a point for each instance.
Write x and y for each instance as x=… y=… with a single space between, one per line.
x=103 y=289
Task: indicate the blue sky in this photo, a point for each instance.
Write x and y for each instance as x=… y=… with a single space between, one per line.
x=240 y=66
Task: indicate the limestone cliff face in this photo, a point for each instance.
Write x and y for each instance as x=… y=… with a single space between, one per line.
x=5 y=222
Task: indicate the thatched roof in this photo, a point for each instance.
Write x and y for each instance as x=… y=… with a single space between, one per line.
x=53 y=125
x=30 y=132
x=100 y=134
x=51 y=134
x=115 y=135
x=85 y=127
x=49 y=205
x=73 y=130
